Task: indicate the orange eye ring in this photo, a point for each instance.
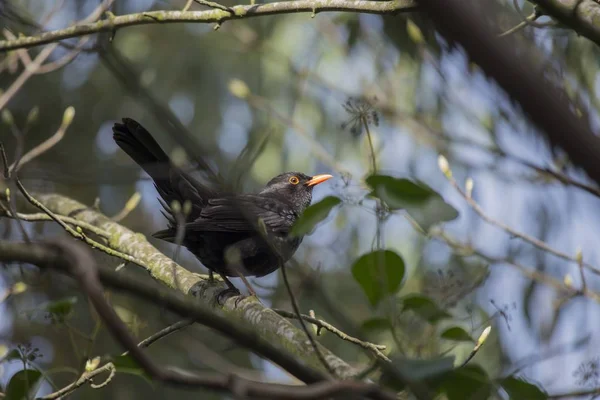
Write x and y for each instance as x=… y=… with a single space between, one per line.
x=294 y=180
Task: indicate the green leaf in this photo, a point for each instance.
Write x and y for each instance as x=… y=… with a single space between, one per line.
x=457 y=334
x=397 y=193
x=313 y=215
x=379 y=273
x=519 y=389
x=24 y=384
x=424 y=307
x=126 y=364
x=421 y=202
x=425 y=371
x=61 y=309
x=376 y=324
x=470 y=382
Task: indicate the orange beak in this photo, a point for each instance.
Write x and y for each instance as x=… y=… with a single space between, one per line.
x=315 y=180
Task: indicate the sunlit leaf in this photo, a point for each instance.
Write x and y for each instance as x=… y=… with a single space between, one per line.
x=23 y=385
x=421 y=202
x=397 y=193
x=457 y=334
x=519 y=389
x=379 y=273
x=424 y=307
x=313 y=215
x=14 y=354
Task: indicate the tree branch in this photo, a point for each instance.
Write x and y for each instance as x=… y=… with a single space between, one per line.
x=211 y=16
x=75 y=260
x=520 y=75
x=320 y=324
x=250 y=312
x=583 y=16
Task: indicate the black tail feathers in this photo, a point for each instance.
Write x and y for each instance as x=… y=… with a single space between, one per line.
x=137 y=142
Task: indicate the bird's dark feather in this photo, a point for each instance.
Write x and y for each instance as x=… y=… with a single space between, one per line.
x=218 y=222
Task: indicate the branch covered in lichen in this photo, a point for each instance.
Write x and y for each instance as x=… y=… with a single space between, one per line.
x=113 y=23
x=583 y=16
x=268 y=324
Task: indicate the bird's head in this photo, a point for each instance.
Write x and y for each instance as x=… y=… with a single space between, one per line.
x=295 y=187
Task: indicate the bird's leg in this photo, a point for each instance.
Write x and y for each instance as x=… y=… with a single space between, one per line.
x=211 y=275
x=248 y=285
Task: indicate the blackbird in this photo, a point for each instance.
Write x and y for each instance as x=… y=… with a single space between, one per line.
x=232 y=235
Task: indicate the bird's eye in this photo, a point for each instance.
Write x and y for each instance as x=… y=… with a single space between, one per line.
x=294 y=180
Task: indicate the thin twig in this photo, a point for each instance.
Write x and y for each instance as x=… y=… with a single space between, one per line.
x=130 y=205
x=10 y=200
x=525 y=22
x=47 y=144
x=51 y=66
x=41 y=217
x=311 y=339
x=320 y=324
x=43 y=55
x=317 y=149
x=218 y=6
x=76 y=233
x=373 y=158
x=187 y=5
x=529 y=239
x=82 y=380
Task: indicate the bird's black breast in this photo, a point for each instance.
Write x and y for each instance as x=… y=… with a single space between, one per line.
x=227 y=224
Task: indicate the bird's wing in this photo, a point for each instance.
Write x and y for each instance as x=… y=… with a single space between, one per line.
x=235 y=214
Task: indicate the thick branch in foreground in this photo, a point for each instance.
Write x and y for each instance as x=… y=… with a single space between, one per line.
x=520 y=75
x=212 y=16
x=251 y=313
x=74 y=259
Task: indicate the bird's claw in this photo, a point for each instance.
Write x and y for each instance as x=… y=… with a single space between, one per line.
x=228 y=292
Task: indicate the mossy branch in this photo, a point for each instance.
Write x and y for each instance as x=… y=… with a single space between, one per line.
x=114 y=23
x=267 y=323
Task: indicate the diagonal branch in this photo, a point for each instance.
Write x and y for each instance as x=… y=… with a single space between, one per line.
x=269 y=325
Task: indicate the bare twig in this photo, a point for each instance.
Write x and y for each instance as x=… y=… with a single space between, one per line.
x=320 y=324
x=43 y=55
x=130 y=205
x=10 y=200
x=310 y=337
x=41 y=217
x=76 y=233
x=51 y=66
x=529 y=239
x=46 y=145
x=187 y=5
x=86 y=377
x=317 y=149
x=218 y=6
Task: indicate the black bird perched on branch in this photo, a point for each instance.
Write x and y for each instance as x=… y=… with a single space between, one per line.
x=232 y=235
